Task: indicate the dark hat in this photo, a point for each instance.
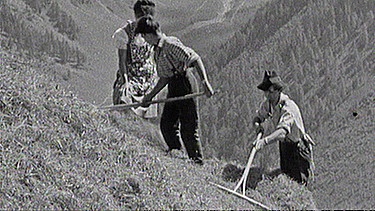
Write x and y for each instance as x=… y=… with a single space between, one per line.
x=271 y=78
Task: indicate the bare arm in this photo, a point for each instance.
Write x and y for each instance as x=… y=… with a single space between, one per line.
x=276 y=135
x=272 y=138
x=162 y=82
x=198 y=65
x=120 y=39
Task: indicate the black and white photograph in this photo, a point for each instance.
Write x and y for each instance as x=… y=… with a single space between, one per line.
x=187 y=105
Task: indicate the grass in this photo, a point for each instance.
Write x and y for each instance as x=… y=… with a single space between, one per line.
x=60 y=152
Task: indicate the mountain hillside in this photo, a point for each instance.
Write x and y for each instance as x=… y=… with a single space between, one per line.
x=324 y=53
x=323 y=50
x=59 y=152
x=344 y=157
x=82 y=29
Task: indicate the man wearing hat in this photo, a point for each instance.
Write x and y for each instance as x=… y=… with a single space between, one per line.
x=294 y=144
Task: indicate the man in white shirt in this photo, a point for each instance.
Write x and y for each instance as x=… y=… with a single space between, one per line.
x=294 y=144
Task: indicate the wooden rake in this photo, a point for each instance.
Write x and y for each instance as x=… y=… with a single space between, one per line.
x=243 y=181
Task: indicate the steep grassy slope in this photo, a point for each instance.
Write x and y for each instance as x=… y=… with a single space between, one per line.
x=323 y=51
x=59 y=152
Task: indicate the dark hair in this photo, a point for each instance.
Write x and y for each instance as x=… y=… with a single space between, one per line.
x=146 y=25
x=144 y=7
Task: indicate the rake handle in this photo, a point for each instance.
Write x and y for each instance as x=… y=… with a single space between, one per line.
x=138 y=104
x=243 y=179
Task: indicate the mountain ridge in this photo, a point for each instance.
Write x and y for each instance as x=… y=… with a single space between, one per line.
x=324 y=53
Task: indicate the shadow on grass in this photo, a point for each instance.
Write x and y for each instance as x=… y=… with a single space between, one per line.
x=232 y=173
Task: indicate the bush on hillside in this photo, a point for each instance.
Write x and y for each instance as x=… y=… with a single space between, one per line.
x=62 y=21
x=77 y=2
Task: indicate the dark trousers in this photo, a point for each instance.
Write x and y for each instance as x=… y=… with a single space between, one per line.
x=292 y=163
x=181 y=118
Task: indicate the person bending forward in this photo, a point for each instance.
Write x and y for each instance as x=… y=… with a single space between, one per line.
x=174 y=62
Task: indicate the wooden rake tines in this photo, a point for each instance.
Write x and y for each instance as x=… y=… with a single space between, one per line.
x=243 y=181
x=242 y=196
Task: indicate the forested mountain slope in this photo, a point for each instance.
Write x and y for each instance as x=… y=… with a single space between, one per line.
x=324 y=51
x=344 y=158
x=58 y=152
x=77 y=33
x=325 y=54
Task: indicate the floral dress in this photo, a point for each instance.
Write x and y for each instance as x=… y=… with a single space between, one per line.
x=141 y=76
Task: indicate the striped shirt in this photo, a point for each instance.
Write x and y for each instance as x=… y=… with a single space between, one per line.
x=173 y=57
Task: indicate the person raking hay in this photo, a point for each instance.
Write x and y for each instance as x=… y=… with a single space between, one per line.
x=175 y=63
